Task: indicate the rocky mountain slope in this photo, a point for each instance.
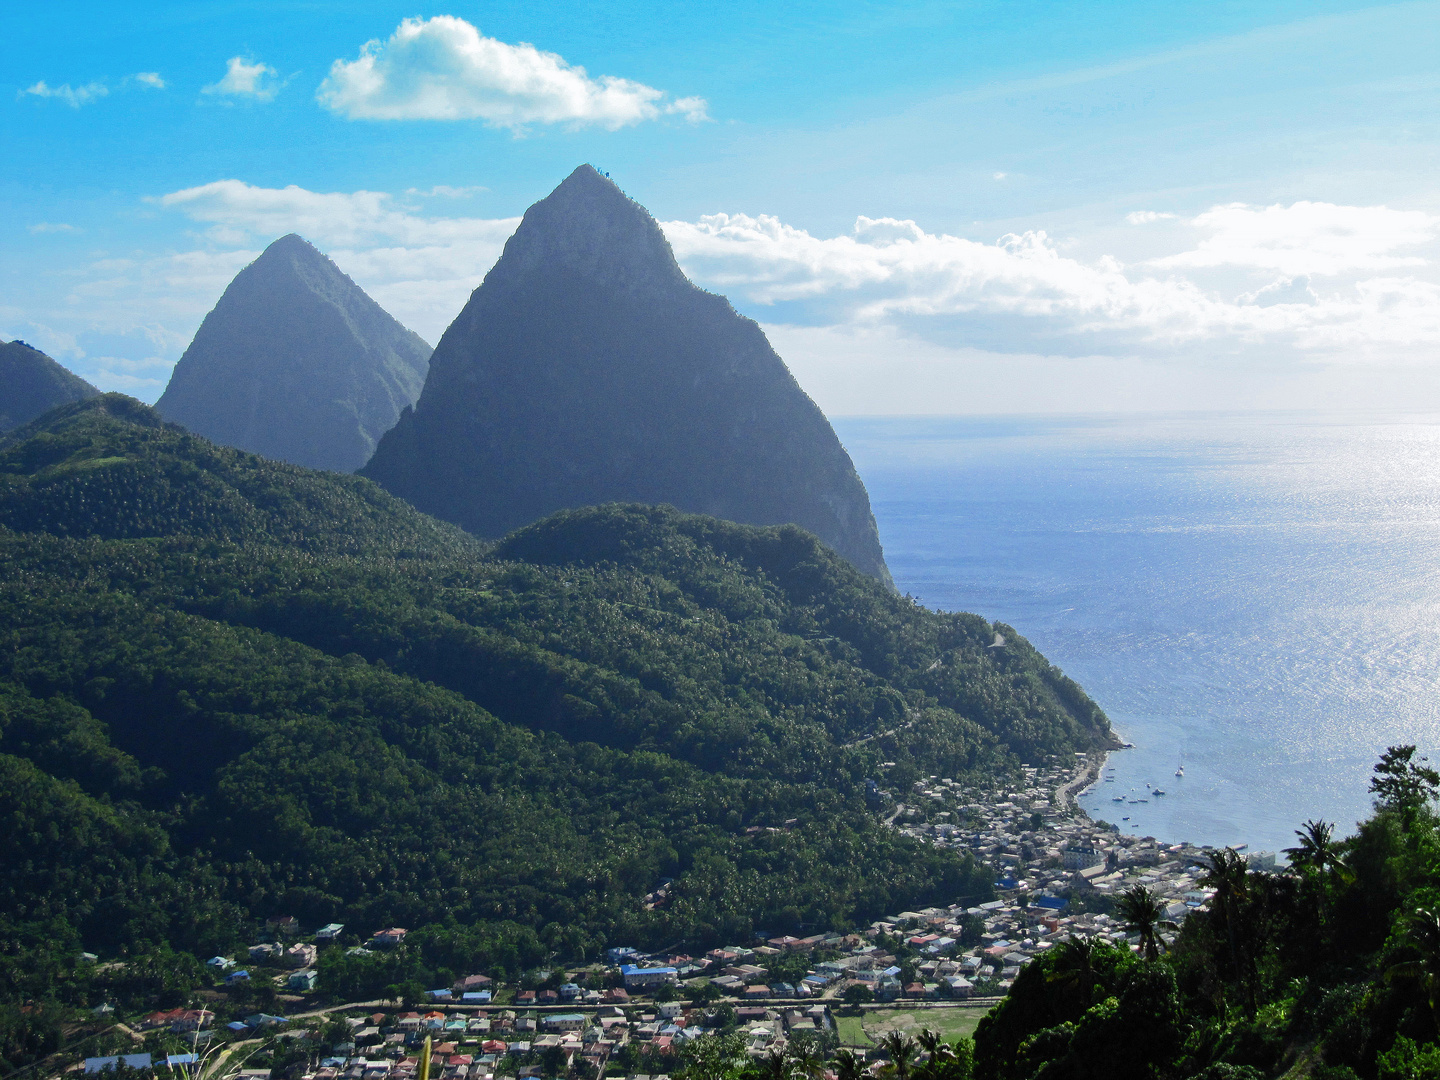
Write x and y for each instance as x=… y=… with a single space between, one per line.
x=32 y=383
x=297 y=363
x=587 y=369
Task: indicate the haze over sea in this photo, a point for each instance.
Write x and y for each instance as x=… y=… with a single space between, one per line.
x=1256 y=594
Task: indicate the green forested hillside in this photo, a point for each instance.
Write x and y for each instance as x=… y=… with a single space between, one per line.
x=231 y=688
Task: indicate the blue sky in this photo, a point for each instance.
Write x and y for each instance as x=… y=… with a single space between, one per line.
x=987 y=207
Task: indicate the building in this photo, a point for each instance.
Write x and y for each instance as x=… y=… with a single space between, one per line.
x=638 y=978
x=389 y=937
x=1081 y=857
x=302 y=980
x=299 y=956
x=329 y=932
x=102 y=1064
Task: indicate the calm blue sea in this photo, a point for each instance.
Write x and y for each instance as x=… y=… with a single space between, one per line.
x=1257 y=596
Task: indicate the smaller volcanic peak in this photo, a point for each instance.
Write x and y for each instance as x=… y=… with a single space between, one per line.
x=297 y=363
x=32 y=383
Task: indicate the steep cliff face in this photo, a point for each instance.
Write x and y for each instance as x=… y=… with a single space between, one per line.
x=32 y=383
x=297 y=363
x=587 y=369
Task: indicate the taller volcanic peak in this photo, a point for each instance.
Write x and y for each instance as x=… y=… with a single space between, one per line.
x=297 y=363
x=588 y=369
x=32 y=383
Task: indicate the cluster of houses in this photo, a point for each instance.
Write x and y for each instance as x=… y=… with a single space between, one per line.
x=474 y=1044
x=1044 y=854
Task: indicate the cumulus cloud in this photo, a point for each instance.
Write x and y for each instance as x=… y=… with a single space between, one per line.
x=1308 y=238
x=445 y=191
x=149 y=79
x=945 y=287
x=1146 y=217
x=52 y=227
x=73 y=96
x=245 y=79
x=419 y=268
x=444 y=69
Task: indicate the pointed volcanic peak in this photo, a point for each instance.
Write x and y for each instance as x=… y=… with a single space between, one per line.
x=297 y=363
x=587 y=369
x=32 y=383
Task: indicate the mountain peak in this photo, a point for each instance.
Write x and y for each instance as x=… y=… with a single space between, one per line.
x=293 y=245
x=32 y=383
x=591 y=227
x=297 y=363
x=587 y=369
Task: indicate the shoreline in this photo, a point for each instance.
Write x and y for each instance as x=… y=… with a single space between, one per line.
x=1085 y=776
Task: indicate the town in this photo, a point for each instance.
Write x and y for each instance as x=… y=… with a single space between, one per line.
x=1055 y=871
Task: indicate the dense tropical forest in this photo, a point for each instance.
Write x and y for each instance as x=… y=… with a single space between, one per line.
x=231 y=689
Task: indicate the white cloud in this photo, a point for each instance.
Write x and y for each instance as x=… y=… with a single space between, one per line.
x=419 y=268
x=72 y=96
x=150 y=79
x=445 y=191
x=1308 y=238
x=245 y=79
x=52 y=227
x=445 y=69
x=1146 y=217
x=1022 y=293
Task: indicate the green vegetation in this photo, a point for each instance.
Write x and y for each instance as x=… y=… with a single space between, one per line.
x=232 y=689
x=950 y=1023
x=1330 y=970
x=869 y=1029
x=929 y=1056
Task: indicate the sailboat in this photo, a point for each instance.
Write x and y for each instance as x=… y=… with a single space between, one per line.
x=1181 y=770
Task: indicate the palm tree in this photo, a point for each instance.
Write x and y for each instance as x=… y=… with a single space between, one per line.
x=1422 y=933
x=901 y=1048
x=1143 y=913
x=805 y=1063
x=1074 y=965
x=1228 y=875
x=775 y=1065
x=848 y=1065
x=1317 y=849
x=932 y=1043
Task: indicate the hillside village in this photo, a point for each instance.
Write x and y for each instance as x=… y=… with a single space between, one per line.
x=1055 y=869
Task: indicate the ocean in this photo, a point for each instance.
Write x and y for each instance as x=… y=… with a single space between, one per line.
x=1252 y=595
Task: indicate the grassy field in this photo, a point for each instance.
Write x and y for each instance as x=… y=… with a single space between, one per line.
x=867 y=1030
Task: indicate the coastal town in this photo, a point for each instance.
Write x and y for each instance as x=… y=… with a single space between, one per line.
x=632 y=1014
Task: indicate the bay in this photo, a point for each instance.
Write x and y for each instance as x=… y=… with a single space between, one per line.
x=1254 y=595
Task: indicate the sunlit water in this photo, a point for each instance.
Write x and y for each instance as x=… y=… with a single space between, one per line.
x=1254 y=596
